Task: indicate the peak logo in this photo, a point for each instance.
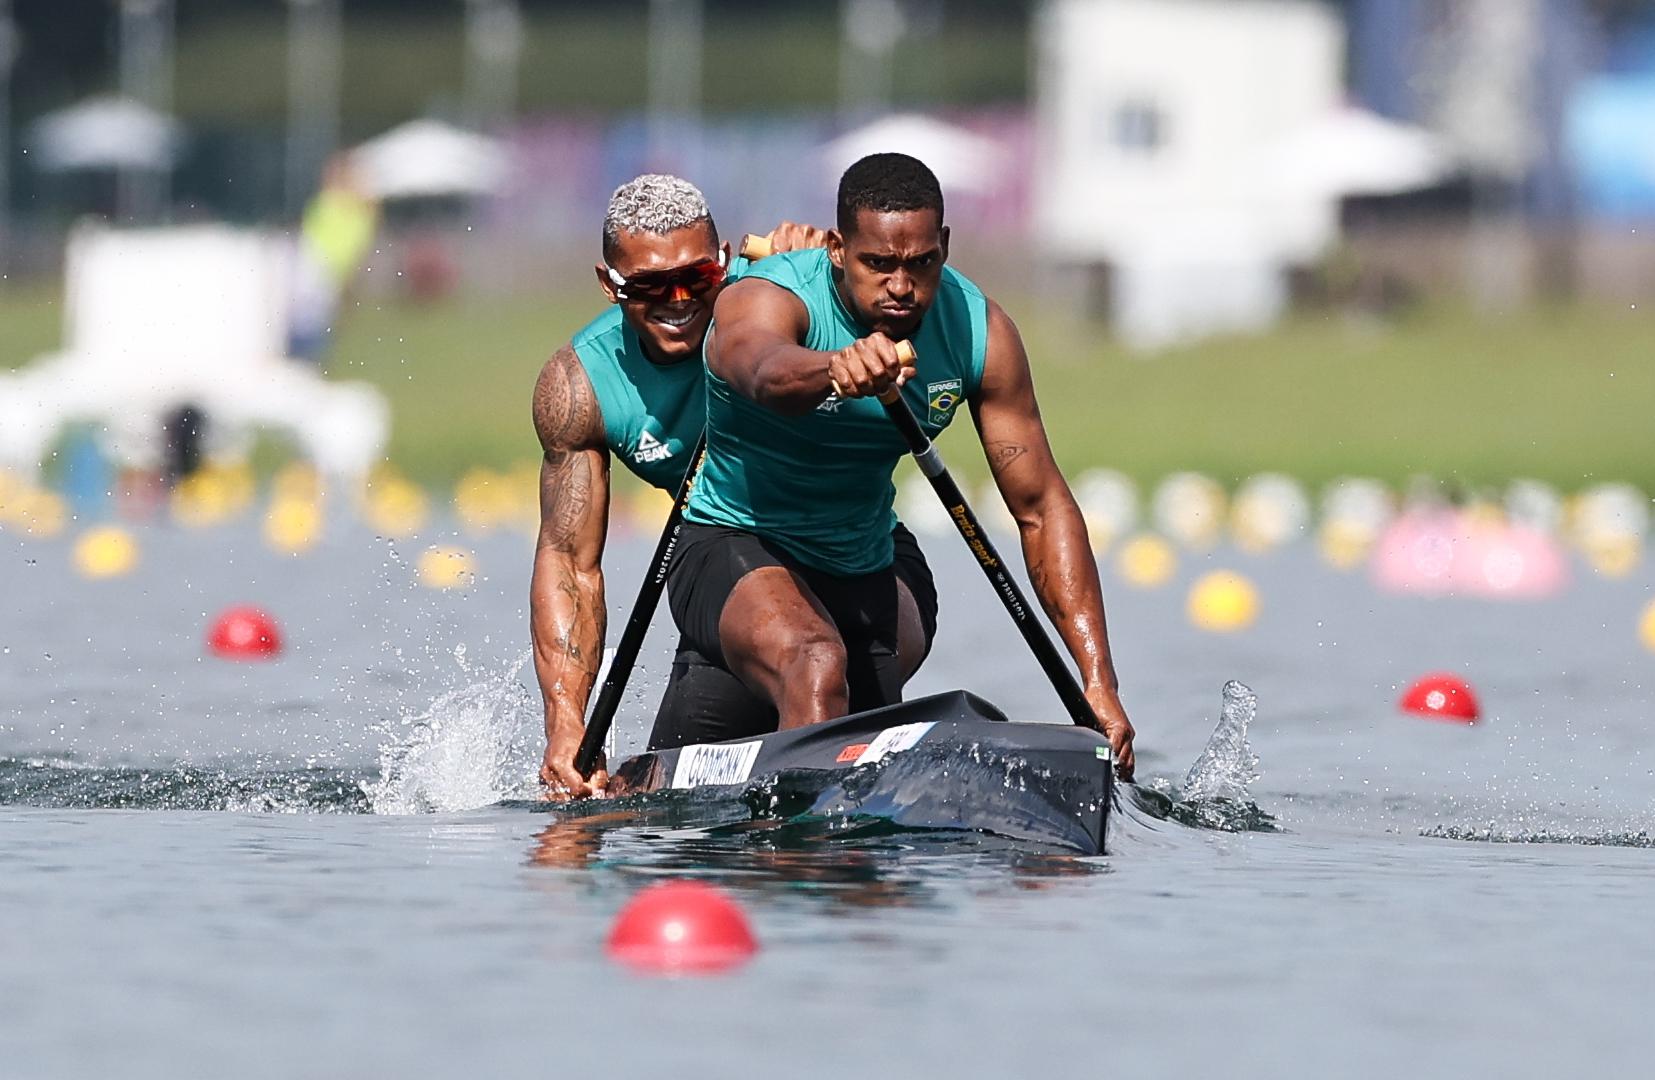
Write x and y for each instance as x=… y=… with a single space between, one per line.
x=650 y=449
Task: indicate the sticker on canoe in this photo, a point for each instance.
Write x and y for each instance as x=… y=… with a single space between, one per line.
x=851 y=752
x=894 y=741
x=706 y=764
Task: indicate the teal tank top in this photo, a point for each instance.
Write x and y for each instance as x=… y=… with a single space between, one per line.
x=819 y=486
x=652 y=413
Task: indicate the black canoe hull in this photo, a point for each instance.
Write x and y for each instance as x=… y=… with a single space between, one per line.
x=950 y=760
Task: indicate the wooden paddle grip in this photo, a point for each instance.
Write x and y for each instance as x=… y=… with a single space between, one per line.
x=755 y=247
x=904 y=352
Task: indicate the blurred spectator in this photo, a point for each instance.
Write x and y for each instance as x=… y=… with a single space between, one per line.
x=336 y=234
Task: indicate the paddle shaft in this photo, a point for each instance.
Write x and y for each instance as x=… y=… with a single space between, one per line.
x=976 y=538
x=637 y=625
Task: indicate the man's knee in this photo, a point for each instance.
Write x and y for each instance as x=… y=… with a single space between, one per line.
x=791 y=651
x=816 y=658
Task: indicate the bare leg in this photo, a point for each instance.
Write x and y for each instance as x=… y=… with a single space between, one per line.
x=910 y=631
x=779 y=640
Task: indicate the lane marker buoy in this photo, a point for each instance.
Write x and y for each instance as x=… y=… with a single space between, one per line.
x=244 y=632
x=446 y=567
x=1223 y=601
x=105 y=552
x=1441 y=696
x=681 y=927
x=1146 y=561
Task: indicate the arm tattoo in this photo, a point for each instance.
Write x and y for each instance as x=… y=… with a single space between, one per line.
x=566 y=494
x=1002 y=454
x=565 y=416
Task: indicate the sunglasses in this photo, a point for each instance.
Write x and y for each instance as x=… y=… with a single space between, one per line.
x=678 y=283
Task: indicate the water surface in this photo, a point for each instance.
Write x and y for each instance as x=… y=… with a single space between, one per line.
x=333 y=864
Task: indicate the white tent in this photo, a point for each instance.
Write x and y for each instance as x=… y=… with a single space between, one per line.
x=156 y=319
x=428 y=157
x=962 y=160
x=107 y=133
x=1351 y=151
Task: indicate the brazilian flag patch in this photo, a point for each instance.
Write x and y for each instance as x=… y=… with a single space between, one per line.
x=940 y=399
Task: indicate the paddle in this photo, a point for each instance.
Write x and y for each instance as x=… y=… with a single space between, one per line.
x=976 y=538
x=637 y=624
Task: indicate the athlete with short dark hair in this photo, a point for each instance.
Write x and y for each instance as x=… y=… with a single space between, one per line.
x=784 y=573
x=631 y=384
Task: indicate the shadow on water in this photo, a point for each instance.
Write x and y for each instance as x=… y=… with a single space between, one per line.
x=852 y=863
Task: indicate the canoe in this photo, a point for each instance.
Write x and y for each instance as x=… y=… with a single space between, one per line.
x=947 y=761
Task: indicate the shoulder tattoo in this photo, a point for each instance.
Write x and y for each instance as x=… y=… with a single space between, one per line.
x=565 y=409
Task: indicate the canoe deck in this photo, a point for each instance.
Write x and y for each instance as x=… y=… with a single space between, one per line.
x=950 y=761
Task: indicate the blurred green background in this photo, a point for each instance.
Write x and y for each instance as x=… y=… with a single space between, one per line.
x=1565 y=395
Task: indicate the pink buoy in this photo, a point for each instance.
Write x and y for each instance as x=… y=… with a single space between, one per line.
x=1441 y=696
x=1437 y=552
x=244 y=633
x=681 y=927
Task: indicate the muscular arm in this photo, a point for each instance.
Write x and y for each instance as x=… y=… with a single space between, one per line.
x=755 y=348
x=1055 y=546
x=566 y=602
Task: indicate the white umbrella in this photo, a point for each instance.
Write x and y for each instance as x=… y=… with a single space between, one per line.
x=962 y=160
x=428 y=157
x=1352 y=151
x=107 y=133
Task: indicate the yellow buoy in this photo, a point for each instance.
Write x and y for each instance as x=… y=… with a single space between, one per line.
x=201 y=499
x=446 y=568
x=1614 y=554
x=1223 y=601
x=1646 y=627
x=396 y=508
x=1344 y=544
x=36 y=512
x=293 y=524
x=105 y=552
x=481 y=500
x=1146 y=561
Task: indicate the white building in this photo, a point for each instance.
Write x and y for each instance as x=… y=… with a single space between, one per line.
x=1155 y=125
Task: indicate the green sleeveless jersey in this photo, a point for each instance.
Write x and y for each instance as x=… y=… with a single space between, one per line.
x=652 y=413
x=819 y=486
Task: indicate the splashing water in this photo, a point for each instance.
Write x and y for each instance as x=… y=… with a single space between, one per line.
x=476 y=746
x=1215 y=791
x=1228 y=765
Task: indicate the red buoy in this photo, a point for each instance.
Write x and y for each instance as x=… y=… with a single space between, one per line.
x=1442 y=696
x=681 y=927
x=244 y=633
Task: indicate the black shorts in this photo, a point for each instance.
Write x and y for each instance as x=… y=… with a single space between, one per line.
x=704 y=702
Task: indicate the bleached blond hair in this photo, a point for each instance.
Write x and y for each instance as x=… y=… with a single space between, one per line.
x=654 y=203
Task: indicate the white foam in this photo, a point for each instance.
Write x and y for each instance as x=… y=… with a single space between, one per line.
x=476 y=745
